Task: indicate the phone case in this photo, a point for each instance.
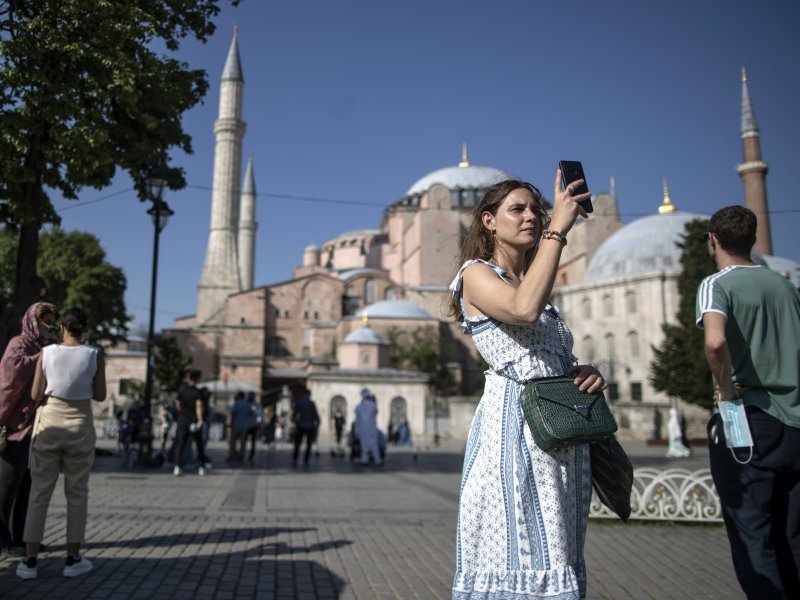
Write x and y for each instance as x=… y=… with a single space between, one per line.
x=572 y=170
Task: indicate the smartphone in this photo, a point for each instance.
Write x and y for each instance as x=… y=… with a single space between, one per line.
x=572 y=170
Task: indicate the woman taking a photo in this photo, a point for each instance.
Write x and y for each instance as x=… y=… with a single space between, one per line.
x=68 y=376
x=523 y=511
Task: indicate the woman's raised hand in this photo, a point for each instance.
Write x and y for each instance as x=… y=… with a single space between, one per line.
x=565 y=205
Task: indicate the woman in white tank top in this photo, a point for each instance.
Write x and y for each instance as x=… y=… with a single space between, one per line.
x=68 y=376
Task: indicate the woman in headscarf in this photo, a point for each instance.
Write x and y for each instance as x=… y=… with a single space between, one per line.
x=16 y=416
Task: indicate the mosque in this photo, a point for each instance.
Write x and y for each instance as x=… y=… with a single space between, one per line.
x=329 y=326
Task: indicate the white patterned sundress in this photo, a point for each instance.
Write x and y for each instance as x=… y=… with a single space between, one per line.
x=523 y=512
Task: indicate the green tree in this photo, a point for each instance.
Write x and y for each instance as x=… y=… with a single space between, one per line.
x=74 y=269
x=170 y=365
x=86 y=88
x=679 y=367
x=422 y=352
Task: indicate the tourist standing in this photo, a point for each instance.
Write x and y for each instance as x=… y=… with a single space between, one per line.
x=306 y=421
x=240 y=423
x=523 y=511
x=750 y=316
x=68 y=376
x=366 y=428
x=17 y=410
x=189 y=421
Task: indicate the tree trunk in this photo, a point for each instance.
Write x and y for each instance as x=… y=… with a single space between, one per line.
x=29 y=286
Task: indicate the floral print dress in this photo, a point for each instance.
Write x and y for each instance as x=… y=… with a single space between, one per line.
x=523 y=512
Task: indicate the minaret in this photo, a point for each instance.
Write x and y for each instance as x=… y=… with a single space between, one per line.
x=220 y=276
x=247 y=228
x=753 y=172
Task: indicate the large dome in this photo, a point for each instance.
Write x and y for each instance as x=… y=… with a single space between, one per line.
x=459 y=178
x=394 y=309
x=646 y=245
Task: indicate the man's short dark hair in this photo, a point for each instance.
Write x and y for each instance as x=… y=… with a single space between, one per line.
x=735 y=229
x=194 y=375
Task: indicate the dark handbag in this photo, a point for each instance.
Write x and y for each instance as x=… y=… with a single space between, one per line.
x=560 y=415
x=612 y=476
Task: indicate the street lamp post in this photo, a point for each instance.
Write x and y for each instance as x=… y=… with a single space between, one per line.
x=160 y=212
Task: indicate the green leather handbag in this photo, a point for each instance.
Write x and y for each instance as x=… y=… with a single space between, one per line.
x=560 y=415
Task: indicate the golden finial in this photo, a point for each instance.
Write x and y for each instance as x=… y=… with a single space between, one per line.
x=667 y=206
x=365 y=319
x=235 y=31
x=464 y=162
x=744 y=74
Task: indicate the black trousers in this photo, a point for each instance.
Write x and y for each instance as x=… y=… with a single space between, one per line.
x=761 y=505
x=15 y=487
x=309 y=435
x=200 y=444
x=182 y=439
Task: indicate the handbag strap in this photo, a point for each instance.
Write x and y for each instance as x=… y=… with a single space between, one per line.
x=562 y=336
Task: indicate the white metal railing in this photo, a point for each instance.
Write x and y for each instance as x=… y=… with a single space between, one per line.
x=669 y=495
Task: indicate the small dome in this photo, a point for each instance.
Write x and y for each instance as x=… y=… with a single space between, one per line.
x=312 y=248
x=785 y=266
x=468 y=177
x=643 y=246
x=394 y=309
x=365 y=335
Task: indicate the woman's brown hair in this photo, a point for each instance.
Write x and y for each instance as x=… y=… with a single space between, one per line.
x=479 y=243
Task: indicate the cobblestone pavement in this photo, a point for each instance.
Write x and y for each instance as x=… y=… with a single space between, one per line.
x=333 y=531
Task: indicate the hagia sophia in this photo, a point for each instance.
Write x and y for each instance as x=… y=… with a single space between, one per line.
x=329 y=327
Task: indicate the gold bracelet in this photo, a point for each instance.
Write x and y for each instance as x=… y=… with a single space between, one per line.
x=549 y=234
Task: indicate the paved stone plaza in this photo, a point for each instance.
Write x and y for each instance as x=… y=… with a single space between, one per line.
x=334 y=531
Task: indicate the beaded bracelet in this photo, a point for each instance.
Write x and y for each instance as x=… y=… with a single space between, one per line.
x=549 y=234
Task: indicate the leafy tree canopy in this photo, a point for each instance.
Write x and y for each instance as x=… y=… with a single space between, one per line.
x=421 y=351
x=75 y=272
x=170 y=364
x=86 y=88
x=680 y=368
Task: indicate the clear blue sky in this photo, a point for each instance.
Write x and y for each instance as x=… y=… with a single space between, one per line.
x=352 y=101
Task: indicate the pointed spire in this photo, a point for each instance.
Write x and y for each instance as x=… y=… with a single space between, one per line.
x=233 y=66
x=613 y=187
x=464 y=162
x=667 y=207
x=249 y=180
x=748 y=113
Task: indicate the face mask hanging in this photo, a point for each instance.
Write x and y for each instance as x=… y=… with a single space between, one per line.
x=736 y=427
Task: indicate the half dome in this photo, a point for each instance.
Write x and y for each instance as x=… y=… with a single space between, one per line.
x=365 y=335
x=394 y=309
x=643 y=246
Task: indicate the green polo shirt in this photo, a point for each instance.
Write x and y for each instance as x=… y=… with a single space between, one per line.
x=762 y=330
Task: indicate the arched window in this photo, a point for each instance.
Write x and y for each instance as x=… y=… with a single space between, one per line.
x=586 y=306
x=398 y=409
x=369 y=291
x=588 y=348
x=611 y=349
x=633 y=343
x=337 y=403
x=631 y=304
x=608 y=305
x=351 y=302
x=390 y=294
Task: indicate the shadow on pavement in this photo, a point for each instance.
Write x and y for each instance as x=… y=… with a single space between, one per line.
x=240 y=574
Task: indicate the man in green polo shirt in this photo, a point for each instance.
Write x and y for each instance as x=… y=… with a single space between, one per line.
x=751 y=319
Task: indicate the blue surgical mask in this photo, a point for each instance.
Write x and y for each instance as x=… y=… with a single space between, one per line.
x=735 y=425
